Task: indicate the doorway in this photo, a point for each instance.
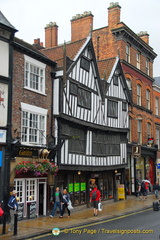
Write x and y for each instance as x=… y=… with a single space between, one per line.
x=42 y=199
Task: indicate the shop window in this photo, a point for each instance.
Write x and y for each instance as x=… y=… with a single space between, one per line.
x=19 y=187
x=30 y=191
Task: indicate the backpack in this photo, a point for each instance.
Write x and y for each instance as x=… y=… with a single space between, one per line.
x=94 y=195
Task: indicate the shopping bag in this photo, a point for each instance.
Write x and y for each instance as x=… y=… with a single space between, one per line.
x=1 y=212
x=69 y=205
x=99 y=206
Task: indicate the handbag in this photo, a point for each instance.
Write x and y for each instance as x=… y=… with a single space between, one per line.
x=69 y=205
x=1 y=212
x=99 y=206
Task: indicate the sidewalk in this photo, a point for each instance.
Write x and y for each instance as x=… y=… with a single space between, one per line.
x=33 y=227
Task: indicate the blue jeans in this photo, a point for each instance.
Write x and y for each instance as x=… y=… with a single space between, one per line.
x=56 y=204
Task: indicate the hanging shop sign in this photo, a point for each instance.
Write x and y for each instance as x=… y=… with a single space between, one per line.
x=70 y=187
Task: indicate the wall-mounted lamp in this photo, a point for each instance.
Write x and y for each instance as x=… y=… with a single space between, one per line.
x=115 y=171
x=79 y=172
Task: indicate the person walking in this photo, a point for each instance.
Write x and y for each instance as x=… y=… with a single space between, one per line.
x=143 y=191
x=156 y=188
x=57 y=201
x=13 y=206
x=66 y=198
x=95 y=198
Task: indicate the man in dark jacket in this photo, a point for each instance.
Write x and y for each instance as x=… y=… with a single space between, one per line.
x=57 y=201
x=156 y=189
x=13 y=206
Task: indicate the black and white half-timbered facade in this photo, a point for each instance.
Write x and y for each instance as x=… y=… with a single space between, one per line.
x=91 y=124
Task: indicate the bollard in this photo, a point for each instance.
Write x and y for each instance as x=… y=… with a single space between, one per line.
x=4 y=224
x=15 y=224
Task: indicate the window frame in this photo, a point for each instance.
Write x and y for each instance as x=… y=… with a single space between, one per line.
x=113 y=113
x=138 y=60
x=148 y=99
x=157 y=106
x=139 y=131
x=147 y=66
x=34 y=75
x=139 y=94
x=128 y=53
x=33 y=115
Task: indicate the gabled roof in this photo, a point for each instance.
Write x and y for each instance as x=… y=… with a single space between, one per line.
x=4 y=21
x=56 y=53
x=107 y=68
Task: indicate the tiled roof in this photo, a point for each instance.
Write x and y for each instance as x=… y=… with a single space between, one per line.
x=4 y=21
x=31 y=49
x=105 y=67
x=56 y=53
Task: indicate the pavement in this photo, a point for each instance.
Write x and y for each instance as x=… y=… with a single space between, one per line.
x=29 y=228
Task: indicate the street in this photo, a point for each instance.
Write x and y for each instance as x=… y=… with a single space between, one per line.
x=141 y=225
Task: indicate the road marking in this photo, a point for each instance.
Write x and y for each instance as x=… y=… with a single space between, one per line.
x=92 y=224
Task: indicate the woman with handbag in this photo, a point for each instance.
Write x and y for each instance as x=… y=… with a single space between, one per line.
x=66 y=199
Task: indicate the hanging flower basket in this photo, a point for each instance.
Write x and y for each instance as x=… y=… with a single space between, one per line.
x=38 y=168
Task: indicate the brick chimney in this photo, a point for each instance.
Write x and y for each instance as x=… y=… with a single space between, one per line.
x=144 y=36
x=81 y=26
x=114 y=12
x=51 y=35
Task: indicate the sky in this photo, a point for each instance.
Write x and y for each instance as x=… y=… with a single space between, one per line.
x=30 y=18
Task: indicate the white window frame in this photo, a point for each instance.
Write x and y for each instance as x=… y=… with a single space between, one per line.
x=31 y=126
x=157 y=137
x=34 y=75
x=129 y=83
x=147 y=66
x=138 y=60
x=31 y=193
x=128 y=53
x=139 y=129
x=149 y=129
x=157 y=106
x=148 y=99
x=20 y=191
x=139 y=94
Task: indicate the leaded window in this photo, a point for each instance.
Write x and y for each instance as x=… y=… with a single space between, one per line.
x=112 y=109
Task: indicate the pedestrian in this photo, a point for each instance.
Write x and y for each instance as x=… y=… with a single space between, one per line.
x=13 y=206
x=95 y=198
x=66 y=198
x=156 y=188
x=143 y=191
x=57 y=201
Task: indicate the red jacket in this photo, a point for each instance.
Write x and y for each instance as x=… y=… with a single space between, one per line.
x=98 y=195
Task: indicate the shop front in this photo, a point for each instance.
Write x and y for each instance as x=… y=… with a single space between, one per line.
x=79 y=184
x=141 y=167
x=32 y=177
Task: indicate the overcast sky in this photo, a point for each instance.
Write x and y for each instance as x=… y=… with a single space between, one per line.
x=30 y=17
